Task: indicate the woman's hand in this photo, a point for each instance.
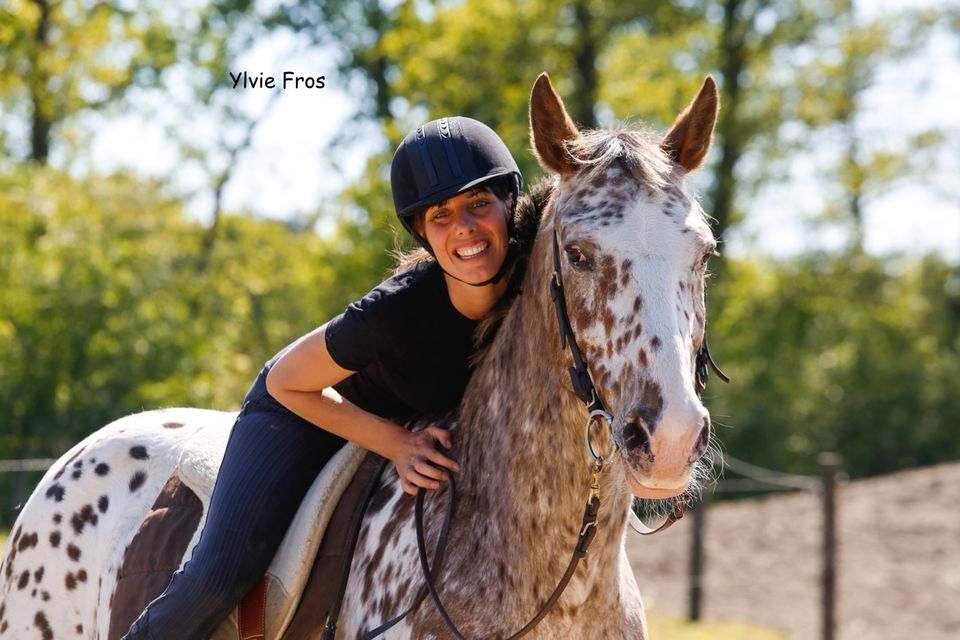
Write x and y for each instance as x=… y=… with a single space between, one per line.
x=419 y=463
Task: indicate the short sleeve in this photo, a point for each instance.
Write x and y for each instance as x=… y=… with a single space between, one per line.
x=355 y=337
x=364 y=333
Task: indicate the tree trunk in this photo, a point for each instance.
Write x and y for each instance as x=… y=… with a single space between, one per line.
x=376 y=63
x=41 y=121
x=731 y=146
x=585 y=67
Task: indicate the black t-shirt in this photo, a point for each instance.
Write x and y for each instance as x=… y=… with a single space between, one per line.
x=408 y=345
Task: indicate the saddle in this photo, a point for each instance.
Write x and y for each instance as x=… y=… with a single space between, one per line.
x=307 y=563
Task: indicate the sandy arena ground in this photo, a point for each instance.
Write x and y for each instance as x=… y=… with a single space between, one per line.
x=898 y=560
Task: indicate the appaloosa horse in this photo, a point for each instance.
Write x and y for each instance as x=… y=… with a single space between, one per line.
x=631 y=247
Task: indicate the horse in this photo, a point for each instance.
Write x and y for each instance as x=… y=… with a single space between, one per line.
x=624 y=238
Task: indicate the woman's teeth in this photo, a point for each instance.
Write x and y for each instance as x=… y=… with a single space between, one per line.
x=469 y=252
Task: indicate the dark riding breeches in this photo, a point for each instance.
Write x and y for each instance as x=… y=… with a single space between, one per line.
x=271 y=459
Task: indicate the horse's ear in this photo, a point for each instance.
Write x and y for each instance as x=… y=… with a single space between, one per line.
x=688 y=141
x=550 y=127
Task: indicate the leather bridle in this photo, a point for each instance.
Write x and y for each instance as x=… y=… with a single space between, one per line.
x=585 y=390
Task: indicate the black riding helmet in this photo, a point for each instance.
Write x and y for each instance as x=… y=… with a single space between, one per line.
x=443 y=158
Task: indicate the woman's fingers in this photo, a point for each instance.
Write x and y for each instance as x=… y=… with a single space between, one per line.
x=446 y=441
x=419 y=480
x=420 y=464
x=440 y=435
x=408 y=487
x=438 y=458
x=424 y=468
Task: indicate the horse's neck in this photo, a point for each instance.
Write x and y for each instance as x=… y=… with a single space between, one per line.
x=526 y=474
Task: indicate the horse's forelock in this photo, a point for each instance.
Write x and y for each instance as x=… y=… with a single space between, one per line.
x=638 y=151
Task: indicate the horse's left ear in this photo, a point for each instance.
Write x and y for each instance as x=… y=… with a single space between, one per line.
x=550 y=127
x=688 y=141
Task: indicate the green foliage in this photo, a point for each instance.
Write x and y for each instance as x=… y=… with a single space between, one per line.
x=850 y=353
x=57 y=59
x=113 y=301
x=61 y=60
x=105 y=313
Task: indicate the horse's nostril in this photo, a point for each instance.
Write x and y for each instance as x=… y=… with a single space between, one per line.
x=635 y=436
x=703 y=439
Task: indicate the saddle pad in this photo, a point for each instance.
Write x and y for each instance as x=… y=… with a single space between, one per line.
x=290 y=568
x=321 y=590
x=168 y=535
x=153 y=554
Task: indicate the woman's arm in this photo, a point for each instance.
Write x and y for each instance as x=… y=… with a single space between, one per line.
x=302 y=380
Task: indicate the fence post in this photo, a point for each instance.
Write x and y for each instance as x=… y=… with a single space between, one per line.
x=829 y=467
x=696 y=559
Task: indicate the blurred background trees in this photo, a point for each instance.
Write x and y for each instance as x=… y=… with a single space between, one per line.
x=118 y=292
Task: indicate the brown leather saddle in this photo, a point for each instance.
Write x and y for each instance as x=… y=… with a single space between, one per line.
x=159 y=545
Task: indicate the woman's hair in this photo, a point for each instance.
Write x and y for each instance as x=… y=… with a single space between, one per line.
x=501 y=187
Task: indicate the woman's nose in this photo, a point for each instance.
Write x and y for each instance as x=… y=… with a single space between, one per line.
x=466 y=222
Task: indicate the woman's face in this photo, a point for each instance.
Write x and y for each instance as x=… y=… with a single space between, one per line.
x=468 y=234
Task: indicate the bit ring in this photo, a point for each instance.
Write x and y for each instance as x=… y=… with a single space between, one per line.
x=595 y=416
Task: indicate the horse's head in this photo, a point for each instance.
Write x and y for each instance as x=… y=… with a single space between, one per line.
x=633 y=247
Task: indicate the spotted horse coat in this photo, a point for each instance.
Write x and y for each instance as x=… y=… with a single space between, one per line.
x=634 y=245
x=67 y=546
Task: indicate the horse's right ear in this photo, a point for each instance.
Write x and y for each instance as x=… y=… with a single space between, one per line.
x=550 y=127
x=688 y=141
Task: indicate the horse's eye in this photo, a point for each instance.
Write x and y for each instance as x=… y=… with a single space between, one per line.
x=705 y=258
x=576 y=257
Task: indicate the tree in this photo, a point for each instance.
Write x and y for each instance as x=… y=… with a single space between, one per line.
x=58 y=59
x=848 y=353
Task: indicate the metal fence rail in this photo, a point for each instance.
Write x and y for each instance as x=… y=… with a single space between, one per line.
x=35 y=464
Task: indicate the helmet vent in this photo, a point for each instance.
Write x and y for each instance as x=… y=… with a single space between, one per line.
x=444 y=128
x=425 y=158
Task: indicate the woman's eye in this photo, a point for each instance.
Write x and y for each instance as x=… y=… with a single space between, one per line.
x=576 y=257
x=481 y=203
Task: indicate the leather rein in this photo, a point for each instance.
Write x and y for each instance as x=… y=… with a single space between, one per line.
x=585 y=390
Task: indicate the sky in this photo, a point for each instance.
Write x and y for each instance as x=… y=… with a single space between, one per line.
x=289 y=169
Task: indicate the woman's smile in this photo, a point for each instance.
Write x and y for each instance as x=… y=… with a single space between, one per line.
x=468 y=252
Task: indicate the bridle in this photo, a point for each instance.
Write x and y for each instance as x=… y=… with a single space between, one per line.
x=585 y=390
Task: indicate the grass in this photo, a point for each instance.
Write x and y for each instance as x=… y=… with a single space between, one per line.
x=665 y=628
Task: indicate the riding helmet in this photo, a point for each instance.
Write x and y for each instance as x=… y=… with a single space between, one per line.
x=445 y=157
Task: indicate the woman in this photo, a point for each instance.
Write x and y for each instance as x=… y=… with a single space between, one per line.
x=401 y=351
